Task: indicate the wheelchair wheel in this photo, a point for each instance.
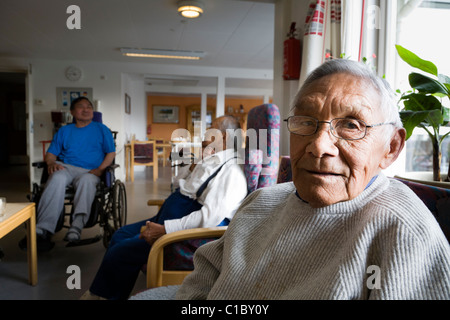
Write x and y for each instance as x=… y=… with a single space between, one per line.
x=119 y=205
x=117 y=217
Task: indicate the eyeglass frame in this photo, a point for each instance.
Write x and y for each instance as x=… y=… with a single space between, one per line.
x=331 y=127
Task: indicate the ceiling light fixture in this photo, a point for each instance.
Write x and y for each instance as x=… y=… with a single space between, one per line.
x=165 y=54
x=190 y=8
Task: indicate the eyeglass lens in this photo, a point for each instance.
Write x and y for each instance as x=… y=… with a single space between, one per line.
x=344 y=128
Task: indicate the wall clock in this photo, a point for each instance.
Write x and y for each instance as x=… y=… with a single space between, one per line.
x=73 y=73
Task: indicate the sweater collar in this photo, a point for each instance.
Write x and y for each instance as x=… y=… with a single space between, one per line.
x=368 y=185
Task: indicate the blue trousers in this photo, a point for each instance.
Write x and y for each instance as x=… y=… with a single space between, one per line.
x=127 y=253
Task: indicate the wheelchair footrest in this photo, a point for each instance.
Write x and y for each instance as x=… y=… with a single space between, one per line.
x=84 y=242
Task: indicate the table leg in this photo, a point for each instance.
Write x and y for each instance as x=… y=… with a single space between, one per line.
x=32 y=251
x=127 y=162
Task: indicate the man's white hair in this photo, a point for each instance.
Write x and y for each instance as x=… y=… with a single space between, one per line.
x=388 y=105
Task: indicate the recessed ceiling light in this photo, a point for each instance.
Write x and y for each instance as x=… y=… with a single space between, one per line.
x=165 y=54
x=190 y=8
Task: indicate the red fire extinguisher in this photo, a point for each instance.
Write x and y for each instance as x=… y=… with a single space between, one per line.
x=292 y=56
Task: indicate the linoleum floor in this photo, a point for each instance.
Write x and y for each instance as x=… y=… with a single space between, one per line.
x=53 y=274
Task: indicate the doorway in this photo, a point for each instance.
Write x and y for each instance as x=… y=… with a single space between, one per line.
x=14 y=169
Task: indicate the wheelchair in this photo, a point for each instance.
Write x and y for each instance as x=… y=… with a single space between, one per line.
x=109 y=208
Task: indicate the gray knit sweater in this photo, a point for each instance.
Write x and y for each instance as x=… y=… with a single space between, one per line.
x=384 y=244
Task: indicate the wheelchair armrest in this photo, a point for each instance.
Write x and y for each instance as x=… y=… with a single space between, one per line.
x=156 y=256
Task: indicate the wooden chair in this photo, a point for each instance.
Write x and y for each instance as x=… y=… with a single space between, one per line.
x=157 y=275
x=143 y=153
x=161 y=146
x=175 y=267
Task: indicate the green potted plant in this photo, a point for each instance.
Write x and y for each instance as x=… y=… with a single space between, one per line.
x=422 y=107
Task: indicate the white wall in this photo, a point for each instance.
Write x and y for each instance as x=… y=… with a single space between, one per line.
x=135 y=123
x=110 y=81
x=286 y=12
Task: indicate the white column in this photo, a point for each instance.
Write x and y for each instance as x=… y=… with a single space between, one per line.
x=220 y=103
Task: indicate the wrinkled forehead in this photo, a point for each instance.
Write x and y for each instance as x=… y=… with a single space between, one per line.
x=339 y=95
x=82 y=104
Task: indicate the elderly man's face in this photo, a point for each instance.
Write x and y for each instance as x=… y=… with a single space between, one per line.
x=83 y=111
x=326 y=169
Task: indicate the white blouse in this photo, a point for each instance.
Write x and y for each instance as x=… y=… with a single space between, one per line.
x=220 y=199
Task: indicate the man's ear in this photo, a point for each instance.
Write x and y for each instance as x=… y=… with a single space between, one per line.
x=395 y=148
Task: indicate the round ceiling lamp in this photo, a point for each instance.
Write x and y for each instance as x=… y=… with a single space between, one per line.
x=190 y=9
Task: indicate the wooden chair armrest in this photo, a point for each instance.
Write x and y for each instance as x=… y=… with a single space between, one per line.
x=156 y=257
x=188 y=234
x=155 y=202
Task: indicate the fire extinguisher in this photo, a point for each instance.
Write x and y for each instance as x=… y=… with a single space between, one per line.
x=292 y=56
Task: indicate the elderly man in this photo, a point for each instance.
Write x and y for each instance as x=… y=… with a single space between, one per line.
x=209 y=194
x=341 y=230
x=78 y=155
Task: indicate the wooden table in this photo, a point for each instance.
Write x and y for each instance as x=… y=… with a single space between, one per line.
x=165 y=146
x=16 y=214
x=127 y=160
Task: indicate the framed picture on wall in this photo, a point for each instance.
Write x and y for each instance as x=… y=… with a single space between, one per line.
x=127 y=104
x=65 y=96
x=165 y=114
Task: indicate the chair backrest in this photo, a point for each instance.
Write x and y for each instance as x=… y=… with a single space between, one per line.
x=143 y=152
x=284 y=170
x=262 y=155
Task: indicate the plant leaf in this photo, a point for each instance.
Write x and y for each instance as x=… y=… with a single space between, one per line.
x=447 y=85
x=426 y=84
x=444 y=79
x=435 y=119
x=446 y=115
x=411 y=119
x=414 y=61
x=421 y=102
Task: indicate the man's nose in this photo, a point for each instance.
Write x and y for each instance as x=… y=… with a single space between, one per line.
x=322 y=142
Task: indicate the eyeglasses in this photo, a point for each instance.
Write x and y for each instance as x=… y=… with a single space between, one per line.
x=342 y=128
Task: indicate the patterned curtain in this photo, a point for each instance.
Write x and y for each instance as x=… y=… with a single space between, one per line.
x=345 y=28
x=322 y=38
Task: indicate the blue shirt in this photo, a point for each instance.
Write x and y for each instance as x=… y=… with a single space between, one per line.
x=84 y=147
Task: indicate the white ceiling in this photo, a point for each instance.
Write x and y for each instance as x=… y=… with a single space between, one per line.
x=233 y=33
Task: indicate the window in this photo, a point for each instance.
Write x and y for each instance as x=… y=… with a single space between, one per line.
x=423 y=32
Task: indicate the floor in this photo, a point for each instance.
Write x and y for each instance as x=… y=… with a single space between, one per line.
x=55 y=281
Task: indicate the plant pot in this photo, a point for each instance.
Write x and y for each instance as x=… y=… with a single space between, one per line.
x=425 y=177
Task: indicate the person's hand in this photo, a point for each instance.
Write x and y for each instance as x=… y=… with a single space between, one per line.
x=152 y=231
x=97 y=172
x=53 y=167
